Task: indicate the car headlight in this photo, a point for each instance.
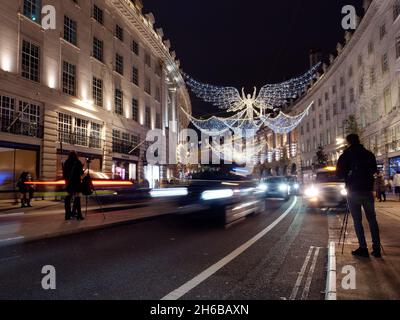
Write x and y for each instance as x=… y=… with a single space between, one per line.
x=217 y=194
x=171 y=192
x=344 y=192
x=311 y=192
x=262 y=187
x=296 y=186
x=283 y=187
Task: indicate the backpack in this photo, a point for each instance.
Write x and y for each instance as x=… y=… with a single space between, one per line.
x=87 y=186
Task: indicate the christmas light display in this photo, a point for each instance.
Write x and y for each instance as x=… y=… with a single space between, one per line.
x=251 y=112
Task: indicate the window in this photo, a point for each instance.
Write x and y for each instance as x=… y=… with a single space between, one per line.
x=98 y=14
x=382 y=31
x=374 y=110
x=397 y=47
x=158 y=70
x=147 y=60
x=148 y=118
x=370 y=48
x=335 y=109
x=373 y=76
x=30 y=61
x=350 y=72
x=95 y=135
x=119 y=33
x=328 y=115
x=98 y=92
x=98 y=49
x=135 y=139
x=135 y=47
x=147 y=87
x=314 y=123
x=7 y=111
x=302 y=130
x=29 y=113
x=385 y=63
x=32 y=9
x=64 y=127
x=81 y=132
x=352 y=98
x=342 y=81
x=119 y=64
x=388 y=100
x=135 y=75
x=361 y=86
x=70 y=30
x=69 y=78
x=308 y=127
x=119 y=109
x=319 y=102
x=334 y=90
x=321 y=120
x=360 y=61
x=396 y=9
x=343 y=103
x=135 y=110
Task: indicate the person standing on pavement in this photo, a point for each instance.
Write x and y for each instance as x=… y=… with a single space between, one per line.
x=380 y=187
x=73 y=172
x=358 y=166
x=396 y=183
x=25 y=189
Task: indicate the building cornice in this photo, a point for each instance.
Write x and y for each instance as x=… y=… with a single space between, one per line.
x=144 y=24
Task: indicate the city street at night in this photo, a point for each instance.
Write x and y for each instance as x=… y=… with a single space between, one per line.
x=200 y=158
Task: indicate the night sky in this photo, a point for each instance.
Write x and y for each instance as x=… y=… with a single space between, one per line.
x=245 y=43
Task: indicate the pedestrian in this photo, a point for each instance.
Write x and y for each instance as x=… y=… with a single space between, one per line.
x=73 y=172
x=25 y=189
x=396 y=183
x=380 y=187
x=358 y=166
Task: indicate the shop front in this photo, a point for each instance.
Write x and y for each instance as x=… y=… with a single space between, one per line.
x=153 y=175
x=94 y=161
x=124 y=169
x=15 y=159
x=394 y=166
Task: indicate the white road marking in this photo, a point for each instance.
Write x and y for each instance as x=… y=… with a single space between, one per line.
x=331 y=277
x=301 y=275
x=307 y=286
x=190 y=285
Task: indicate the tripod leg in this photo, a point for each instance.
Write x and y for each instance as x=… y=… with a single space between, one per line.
x=345 y=231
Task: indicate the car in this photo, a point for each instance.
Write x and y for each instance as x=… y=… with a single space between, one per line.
x=276 y=187
x=294 y=185
x=326 y=191
x=226 y=197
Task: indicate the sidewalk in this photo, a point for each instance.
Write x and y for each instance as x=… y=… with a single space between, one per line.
x=46 y=219
x=376 y=279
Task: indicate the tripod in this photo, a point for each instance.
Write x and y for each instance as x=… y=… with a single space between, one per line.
x=343 y=231
x=88 y=161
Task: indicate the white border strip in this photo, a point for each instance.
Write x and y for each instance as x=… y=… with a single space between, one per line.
x=331 y=293
x=190 y=285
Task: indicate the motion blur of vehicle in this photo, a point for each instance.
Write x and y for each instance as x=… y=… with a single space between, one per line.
x=327 y=191
x=276 y=187
x=294 y=185
x=226 y=196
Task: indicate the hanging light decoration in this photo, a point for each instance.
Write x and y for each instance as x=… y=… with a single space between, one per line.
x=251 y=112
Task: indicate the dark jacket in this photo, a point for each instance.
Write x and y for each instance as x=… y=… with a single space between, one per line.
x=73 y=171
x=357 y=166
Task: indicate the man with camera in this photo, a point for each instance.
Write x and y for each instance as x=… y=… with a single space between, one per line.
x=358 y=166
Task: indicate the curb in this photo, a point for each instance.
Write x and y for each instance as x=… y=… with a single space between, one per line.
x=330 y=292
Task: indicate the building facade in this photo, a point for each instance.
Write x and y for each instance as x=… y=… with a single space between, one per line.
x=95 y=84
x=358 y=91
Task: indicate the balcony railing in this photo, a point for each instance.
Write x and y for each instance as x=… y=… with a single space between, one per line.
x=80 y=140
x=21 y=128
x=124 y=147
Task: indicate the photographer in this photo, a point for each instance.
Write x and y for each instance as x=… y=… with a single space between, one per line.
x=73 y=172
x=358 y=166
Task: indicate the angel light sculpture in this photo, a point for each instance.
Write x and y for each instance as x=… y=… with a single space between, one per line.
x=251 y=111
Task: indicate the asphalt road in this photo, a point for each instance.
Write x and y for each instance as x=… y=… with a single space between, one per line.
x=152 y=259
